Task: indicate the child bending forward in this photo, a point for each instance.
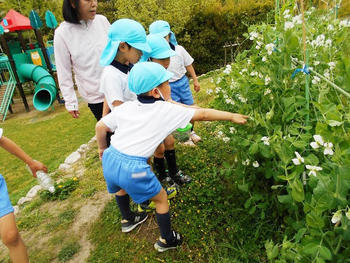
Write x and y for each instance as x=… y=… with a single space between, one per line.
x=142 y=125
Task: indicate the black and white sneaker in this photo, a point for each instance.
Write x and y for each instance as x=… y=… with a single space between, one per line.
x=162 y=245
x=180 y=178
x=128 y=225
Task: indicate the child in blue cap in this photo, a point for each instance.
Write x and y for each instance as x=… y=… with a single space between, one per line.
x=8 y=229
x=142 y=125
x=126 y=44
x=179 y=65
x=161 y=53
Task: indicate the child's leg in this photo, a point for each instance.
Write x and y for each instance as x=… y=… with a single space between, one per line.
x=12 y=239
x=162 y=214
x=158 y=162
x=123 y=201
x=170 y=157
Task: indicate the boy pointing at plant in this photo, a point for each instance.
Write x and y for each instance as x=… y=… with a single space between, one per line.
x=142 y=125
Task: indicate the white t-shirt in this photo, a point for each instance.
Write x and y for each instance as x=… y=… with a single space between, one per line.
x=1 y=131
x=179 y=63
x=143 y=126
x=114 y=85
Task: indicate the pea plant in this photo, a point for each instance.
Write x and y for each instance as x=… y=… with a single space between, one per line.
x=297 y=141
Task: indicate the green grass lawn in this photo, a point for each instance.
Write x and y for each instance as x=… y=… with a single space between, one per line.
x=46 y=136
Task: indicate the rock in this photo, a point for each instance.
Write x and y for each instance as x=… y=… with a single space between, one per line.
x=64 y=167
x=16 y=209
x=72 y=158
x=33 y=192
x=22 y=200
x=82 y=148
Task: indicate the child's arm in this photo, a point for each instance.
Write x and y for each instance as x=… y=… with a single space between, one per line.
x=190 y=70
x=106 y=108
x=14 y=149
x=217 y=115
x=101 y=131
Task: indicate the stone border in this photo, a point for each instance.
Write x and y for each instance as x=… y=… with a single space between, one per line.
x=73 y=158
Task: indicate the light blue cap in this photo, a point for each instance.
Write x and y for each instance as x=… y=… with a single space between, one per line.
x=160 y=48
x=145 y=76
x=124 y=30
x=162 y=28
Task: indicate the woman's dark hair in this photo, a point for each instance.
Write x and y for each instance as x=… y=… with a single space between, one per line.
x=70 y=14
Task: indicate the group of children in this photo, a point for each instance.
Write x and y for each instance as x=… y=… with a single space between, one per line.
x=144 y=104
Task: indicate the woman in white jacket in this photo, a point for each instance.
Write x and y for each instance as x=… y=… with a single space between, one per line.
x=78 y=43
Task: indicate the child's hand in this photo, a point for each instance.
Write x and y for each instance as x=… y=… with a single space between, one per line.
x=37 y=166
x=100 y=152
x=239 y=118
x=196 y=86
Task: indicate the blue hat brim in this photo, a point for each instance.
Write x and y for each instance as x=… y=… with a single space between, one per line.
x=165 y=54
x=109 y=53
x=144 y=47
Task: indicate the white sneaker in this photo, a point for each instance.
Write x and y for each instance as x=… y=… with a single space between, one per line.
x=194 y=137
x=189 y=143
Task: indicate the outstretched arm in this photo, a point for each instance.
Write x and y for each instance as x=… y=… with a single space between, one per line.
x=217 y=115
x=196 y=85
x=101 y=131
x=14 y=149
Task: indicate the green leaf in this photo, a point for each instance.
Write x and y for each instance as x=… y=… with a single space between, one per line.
x=311 y=159
x=314 y=220
x=325 y=253
x=300 y=144
x=334 y=123
x=285 y=199
x=243 y=187
x=299 y=234
x=254 y=148
x=297 y=190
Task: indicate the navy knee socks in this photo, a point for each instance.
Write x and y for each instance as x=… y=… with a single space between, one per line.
x=164 y=224
x=123 y=202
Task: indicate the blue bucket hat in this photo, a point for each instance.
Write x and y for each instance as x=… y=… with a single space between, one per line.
x=145 y=76
x=160 y=48
x=162 y=28
x=124 y=30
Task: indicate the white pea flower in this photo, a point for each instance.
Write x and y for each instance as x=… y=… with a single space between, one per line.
x=225 y=96
x=328 y=148
x=209 y=91
x=256 y=164
x=243 y=70
x=218 y=80
x=326 y=74
x=316 y=63
x=230 y=101
x=348 y=214
x=286 y=12
x=228 y=69
x=270 y=47
x=313 y=169
x=318 y=142
x=246 y=162
x=267 y=92
x=337 y=217
x=253 y=35
x=330 y=27
x=254 y=73
x=267 y=80
x=233 y=130
x=226 y=139
x=260 y=75
x=264 y=59
x=242 y=99
x=249 y=61
x=331 y=65
x=299 y=160
x=217 y=90
x=288 y=25
x=315 y=80
x=344 y=23
x=298 y=20
x=220 y=134
x=266 y=140
x=328 y=43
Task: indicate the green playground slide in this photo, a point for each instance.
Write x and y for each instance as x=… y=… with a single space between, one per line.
x=45 y=86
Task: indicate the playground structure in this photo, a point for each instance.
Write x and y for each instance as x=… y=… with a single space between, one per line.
x=26 y=62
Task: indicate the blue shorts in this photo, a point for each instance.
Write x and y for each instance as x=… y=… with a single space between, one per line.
x=131 y=173
x=5 y=204
x=181 y=92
